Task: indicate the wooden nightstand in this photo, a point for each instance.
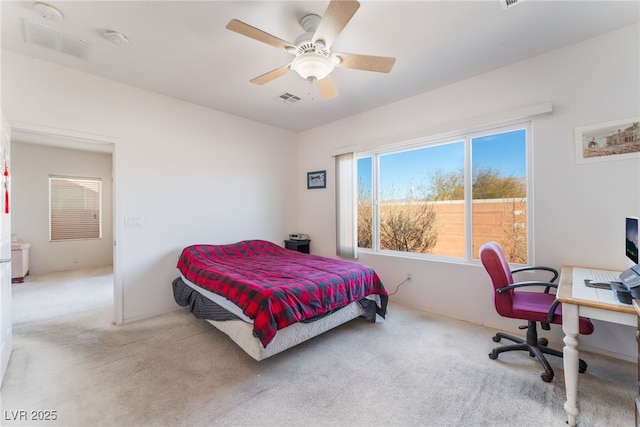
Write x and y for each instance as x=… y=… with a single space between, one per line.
x=298 y=245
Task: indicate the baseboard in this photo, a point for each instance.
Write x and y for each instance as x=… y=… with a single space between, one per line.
x=149 y=315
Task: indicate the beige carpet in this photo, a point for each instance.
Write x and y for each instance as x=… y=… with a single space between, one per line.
x=413 y=369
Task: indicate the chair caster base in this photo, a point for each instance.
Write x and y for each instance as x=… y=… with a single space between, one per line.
x=582 y=366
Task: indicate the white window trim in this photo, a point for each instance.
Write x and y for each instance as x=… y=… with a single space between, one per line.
x=449 y=130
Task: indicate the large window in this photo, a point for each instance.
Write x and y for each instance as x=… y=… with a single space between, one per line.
x=446 y=197
x=75 y=208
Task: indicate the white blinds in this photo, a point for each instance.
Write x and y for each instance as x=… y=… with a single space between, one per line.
x=346 y=245
x=75 y=208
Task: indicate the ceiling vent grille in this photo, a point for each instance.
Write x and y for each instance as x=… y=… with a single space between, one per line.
x=53 y=39
x=288 y=98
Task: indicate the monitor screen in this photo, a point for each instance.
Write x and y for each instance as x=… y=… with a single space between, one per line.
x=631 y=239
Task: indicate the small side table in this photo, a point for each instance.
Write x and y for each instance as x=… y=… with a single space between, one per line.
x=298 y=245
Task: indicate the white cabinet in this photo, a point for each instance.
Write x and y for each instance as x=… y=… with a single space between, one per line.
x=19 y=261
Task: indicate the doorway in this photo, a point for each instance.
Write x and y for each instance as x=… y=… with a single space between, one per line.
x=88 y=145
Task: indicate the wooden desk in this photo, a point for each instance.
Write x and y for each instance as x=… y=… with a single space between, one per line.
x=636 y=306
x=571 y=309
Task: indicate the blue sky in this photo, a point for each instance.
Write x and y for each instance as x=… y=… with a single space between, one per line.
x=503 y=152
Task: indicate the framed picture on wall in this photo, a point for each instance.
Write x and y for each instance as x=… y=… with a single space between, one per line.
x=615 y=140
x=316 y=179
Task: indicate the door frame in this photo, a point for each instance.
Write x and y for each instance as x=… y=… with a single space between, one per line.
x=68 y=138
x=6 y=291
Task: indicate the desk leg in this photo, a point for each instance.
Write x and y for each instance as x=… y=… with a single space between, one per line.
x=571 y=358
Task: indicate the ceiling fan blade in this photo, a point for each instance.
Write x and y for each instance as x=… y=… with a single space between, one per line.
x=271 y=75
x=381 y=64
x=257 y=34
x=335 y=18
x=327 y=88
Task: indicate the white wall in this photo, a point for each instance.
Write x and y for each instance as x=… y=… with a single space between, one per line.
x=197 y=175
x=193 y=174
x=31 y=166
x=579 y=210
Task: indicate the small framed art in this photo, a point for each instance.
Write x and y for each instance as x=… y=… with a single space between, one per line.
x=316 y=179
x=608 y=141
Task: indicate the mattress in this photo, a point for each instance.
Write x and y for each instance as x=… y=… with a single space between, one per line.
x=276 y=287
x=240 y=328
x=241 y=332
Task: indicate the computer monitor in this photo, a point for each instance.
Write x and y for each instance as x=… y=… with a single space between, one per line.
x=631 y=239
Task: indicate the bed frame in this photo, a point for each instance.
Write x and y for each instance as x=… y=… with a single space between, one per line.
x=267 y=298
x=203 y=304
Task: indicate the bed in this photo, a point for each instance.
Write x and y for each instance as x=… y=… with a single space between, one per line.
x=267 y=298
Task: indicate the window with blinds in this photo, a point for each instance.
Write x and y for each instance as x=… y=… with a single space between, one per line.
x=75 y=208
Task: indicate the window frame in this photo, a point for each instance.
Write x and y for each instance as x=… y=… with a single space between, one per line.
x=98 y=181
x=466 y=137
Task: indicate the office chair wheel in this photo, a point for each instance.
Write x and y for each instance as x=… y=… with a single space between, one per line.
x=496 y=338
x=543 y=342
x=493 y=356
x=582 y=366
x=546 y=377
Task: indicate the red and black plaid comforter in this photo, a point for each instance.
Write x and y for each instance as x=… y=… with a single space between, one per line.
x=276 y=287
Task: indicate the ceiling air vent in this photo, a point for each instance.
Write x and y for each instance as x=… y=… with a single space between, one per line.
x=53 y=39
x=506 y=4
x=288 y=98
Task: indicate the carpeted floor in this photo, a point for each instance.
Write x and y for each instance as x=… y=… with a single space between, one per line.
x=412 y=369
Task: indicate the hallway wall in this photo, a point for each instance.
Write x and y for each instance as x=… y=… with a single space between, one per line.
x=32 y=164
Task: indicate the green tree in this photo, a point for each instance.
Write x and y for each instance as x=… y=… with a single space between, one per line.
x=486 y=183
x=447 y=185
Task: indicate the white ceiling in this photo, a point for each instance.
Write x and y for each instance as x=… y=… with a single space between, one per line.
x=182 y=49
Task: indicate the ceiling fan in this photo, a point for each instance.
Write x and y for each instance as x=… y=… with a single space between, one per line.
x=314 y=60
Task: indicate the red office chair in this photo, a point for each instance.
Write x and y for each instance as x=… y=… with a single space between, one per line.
x=530 y=306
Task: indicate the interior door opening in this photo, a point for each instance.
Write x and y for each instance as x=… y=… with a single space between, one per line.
x=89 y=144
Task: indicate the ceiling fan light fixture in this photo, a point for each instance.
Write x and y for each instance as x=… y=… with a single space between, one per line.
x=312 y=66
x=312 y=49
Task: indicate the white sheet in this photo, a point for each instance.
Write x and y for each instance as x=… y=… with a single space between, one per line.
x=241 y=331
